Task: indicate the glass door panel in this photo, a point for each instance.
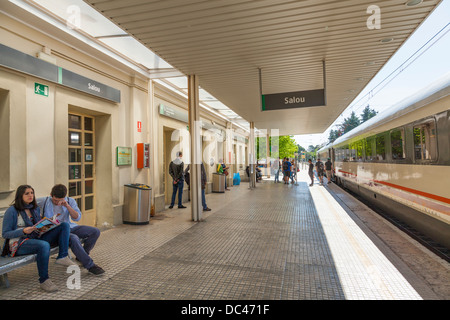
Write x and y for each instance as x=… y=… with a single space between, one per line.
x=81 y=147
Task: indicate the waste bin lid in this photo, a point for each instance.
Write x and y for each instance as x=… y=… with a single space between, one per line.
x=138 y=186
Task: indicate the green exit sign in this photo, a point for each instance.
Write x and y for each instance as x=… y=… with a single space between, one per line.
x=40 y=89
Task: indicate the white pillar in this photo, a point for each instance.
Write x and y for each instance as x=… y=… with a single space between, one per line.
x=153 y=132
x=252 y=156
x=267 y=154
x=195 y=146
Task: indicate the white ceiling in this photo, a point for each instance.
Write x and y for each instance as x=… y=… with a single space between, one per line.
x=224 y=42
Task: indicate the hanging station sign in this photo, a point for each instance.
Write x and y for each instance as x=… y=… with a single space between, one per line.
x=288 y=100
x=296 y=99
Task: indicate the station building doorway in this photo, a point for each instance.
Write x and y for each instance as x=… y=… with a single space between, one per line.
x=81 y=164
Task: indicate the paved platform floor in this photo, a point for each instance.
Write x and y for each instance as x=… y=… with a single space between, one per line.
x=274 y=242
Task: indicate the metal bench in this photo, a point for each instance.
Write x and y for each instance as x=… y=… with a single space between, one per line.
x=8 y=264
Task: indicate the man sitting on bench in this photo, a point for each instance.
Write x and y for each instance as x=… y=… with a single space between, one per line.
x=65 y=209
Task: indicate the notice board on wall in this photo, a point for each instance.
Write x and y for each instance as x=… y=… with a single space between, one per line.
x=124 y=155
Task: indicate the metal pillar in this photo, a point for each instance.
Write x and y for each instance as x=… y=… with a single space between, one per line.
x=252 y=156
x=195 y=144
x=268 y=166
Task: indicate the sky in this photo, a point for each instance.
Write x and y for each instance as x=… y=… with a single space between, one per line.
x=427 y=68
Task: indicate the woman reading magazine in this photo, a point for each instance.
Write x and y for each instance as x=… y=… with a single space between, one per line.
x=22 y=236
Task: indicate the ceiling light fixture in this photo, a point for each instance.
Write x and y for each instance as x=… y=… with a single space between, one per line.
x=413 y=3
x=386 y=40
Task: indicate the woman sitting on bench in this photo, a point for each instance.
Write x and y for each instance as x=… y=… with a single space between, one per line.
x=22 y=238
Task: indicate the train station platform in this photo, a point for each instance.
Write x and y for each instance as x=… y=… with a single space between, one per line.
x=273 y=242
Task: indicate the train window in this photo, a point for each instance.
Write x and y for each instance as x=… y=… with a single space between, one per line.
x=380 y=148
x=398 y=145
x=342 y=153
x=356 y=149
x=359 y=150
x=346 y=153
x=425 y=147
x=352 y=152
x=368 y=145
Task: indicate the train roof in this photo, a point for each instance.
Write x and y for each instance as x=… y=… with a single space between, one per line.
x=423 y=97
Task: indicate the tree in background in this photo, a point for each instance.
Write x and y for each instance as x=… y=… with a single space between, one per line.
x=351 y=122
x=334 y=134
x=285 y=145
x=367 y=114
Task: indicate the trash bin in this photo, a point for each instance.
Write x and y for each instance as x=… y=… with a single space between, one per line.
x=137 y=203
x=218 y=184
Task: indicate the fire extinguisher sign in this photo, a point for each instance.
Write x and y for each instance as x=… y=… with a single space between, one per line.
x=139 y=126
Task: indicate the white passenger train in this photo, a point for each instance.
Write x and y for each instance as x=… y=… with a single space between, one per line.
x=399 y=161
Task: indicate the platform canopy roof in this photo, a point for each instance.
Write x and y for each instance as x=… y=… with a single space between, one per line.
x=242 y=48
x=226 y=42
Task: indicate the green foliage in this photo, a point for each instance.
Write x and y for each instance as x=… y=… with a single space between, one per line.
x=285 y=145
x=367 y=114
x=351 y=122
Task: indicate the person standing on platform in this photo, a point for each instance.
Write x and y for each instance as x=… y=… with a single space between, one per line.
x=176 y=168
x=223 y=169
x=328 y=168
x=287 y=170
x=311 y=172
x=276 y=169
x=320 y=168
x=204 y=180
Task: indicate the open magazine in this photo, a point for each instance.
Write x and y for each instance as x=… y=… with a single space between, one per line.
x=45 y=225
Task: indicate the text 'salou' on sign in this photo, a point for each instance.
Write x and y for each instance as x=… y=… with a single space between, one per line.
x=288 y=100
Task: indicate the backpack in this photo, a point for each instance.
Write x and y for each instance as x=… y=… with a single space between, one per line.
x=285 y=166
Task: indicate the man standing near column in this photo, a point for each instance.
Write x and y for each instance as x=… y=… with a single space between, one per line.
x=176 y=169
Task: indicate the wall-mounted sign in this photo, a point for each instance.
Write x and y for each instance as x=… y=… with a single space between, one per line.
x=288 y=100
x=16 y=60
x=41 y=89
x=174 y=113
x=182 y=115
x=76 y=81
x=139 y=126
x=124 y=156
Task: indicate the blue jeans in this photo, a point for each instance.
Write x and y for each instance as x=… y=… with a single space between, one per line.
x=277 y=174
x=204 y=199
x=58 y=236
x=177 y=186
x=91 y=235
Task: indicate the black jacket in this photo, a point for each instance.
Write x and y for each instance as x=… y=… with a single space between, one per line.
x=176 y=171
x=203 y=175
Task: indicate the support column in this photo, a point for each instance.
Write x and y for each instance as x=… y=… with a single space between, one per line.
x=229 y=152
x=153 y=132
x=268 y=166
x=195 y=146
x=252 y=156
